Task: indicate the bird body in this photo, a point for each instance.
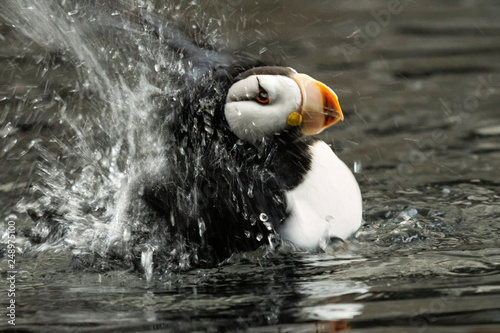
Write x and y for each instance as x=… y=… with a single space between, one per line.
x=327 y=203
x=254 y=174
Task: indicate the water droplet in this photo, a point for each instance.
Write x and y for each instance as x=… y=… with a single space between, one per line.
x=147 y=263
x=263 y=217
x=268 y=225
x=259 y=237
x=253 y=220
x=323 y=243
x=358 y=167
x=8 y=146
x=247 y=233
x=277 y=199
x=8 y=129
x=412 y=212
x=262 y=50
x=355 y=32
x=201 y=227
x=250 y=191
x=209 y=130
x=172 y=218
x=73 y=12
x=126 y=234
x=270 y=239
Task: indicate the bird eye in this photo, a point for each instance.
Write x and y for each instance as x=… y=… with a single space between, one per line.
x=262 y=96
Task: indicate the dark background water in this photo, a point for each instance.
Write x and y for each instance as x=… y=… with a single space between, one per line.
x=419 y=86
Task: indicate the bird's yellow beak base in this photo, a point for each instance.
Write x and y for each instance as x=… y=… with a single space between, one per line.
x=294 y=119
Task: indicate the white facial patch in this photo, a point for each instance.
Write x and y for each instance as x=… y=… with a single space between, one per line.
x=251 y=120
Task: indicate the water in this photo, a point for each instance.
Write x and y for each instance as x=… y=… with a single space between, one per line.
x=78 y=130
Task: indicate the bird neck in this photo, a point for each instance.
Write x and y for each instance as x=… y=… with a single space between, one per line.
x=288 y=158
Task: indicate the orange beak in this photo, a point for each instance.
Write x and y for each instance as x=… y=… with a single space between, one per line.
x=320 y=107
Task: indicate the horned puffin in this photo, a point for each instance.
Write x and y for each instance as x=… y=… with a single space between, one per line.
x=249 y=171
x=278 y=106
x=241 y=166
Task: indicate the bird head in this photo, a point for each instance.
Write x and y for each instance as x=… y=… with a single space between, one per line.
x=265 y=101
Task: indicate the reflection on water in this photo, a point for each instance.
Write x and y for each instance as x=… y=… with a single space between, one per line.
x=420 y=97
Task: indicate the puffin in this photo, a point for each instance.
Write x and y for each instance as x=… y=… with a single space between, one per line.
x=243 y=167
x=246 y=168
x=279 y=107
x=240 y=168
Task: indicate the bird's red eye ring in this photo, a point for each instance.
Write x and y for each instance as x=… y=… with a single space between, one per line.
x=262 y=96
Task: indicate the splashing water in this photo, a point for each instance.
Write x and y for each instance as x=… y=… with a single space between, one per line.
x=147 y=263
x=111 y=141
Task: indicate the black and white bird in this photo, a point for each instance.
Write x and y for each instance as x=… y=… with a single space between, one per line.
x=240 y=165
x=246 y=170
x=278 y=107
